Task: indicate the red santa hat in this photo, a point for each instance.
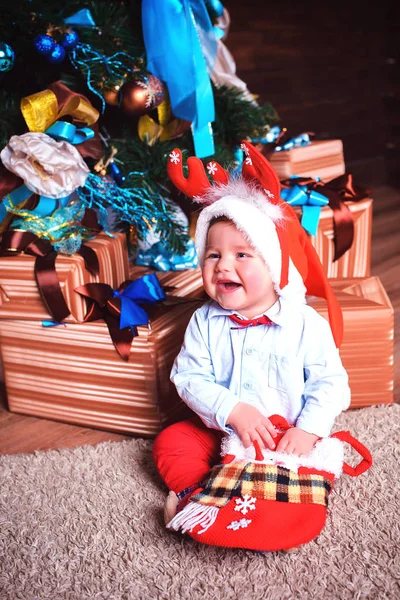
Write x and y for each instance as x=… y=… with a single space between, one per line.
x=271 y=226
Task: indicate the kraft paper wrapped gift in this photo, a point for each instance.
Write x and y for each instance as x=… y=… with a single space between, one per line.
x=368 y=346
x=356 y=262
x=20 y=297
x=322 y=158
x=72 y=372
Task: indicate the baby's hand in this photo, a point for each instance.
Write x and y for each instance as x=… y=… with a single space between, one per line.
x=297 y=441
x=251 y=425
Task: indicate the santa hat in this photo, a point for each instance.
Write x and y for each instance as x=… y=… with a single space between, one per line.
x=270 y=225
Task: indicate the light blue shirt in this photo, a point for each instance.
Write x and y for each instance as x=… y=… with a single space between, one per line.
x=291 y=368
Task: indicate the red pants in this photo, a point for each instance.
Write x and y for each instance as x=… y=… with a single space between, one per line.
x=185 y=452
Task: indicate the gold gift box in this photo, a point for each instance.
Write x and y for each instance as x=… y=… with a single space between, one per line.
x=323 y=158
x=19 y=294
x=72 y=372
x=356 y=262
x=368 y=346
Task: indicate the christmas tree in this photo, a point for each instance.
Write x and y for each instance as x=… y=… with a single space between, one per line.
x=135 y=79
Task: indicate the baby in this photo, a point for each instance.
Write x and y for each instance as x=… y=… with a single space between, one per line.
x=255 y=349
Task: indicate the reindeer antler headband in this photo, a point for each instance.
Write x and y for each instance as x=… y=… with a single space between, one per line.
x=269 y=223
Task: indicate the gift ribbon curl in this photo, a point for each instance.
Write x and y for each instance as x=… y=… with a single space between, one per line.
x=311 y=202
x=15 y=242
x=338 y=191
x=121 y=309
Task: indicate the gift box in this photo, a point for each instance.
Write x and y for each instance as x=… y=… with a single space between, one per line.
x=323 y=158
x=19 y=294
x=187 y=283
x=368 y=347
x=355 y=262
x=73 y=373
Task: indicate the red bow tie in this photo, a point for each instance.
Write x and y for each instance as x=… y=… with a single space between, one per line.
x=264 y=320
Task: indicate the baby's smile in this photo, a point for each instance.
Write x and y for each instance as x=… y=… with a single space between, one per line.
x=228 y=286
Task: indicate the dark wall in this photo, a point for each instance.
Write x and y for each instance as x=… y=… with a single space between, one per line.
x=329 y=68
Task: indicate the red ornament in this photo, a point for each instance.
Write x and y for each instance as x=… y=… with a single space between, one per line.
x=140 y=97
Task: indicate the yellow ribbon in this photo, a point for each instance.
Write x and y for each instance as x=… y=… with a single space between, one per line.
x=41 y=110
x=149 y=131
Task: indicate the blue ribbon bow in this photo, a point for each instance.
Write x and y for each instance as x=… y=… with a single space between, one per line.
x=310 y=200
x=181 y=48
x=275 y=133
x=67 y=132
x=145 y=290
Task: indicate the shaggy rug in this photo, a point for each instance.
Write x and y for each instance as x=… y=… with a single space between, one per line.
x=87 y=523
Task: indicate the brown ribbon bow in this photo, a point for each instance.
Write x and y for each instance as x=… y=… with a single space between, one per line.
x=14 y=242
x=103 y=304
x=338 y=191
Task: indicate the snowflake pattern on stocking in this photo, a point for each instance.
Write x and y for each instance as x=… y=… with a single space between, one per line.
x=245 y=504
x=245 y=149
x=174 y=157
x=212 y=168
x=248 y=161
x=235 y=525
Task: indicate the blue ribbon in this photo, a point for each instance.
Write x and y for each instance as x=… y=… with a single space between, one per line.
x=46 y=206
x=310 y=200
x=67 y=132
x=146 y=290
x=82 y=18
x=273 y=135
x=181 y=47
x=158 y=257
x=215 y=8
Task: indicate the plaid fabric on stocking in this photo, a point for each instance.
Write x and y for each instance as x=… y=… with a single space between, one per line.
x=265 y=500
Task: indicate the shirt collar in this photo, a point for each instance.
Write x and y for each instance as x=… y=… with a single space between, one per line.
x=279 y=312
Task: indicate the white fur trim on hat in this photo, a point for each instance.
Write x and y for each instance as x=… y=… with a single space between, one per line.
x=256 y=218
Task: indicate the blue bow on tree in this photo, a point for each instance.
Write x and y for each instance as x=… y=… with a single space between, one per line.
x=181 y=48
x=310 y=201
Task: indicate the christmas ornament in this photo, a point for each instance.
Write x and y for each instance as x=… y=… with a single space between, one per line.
x=111 y=97
x=57 y=55
x=7 y=57
x=141 y=97
x=69 y=40
x=44 y=44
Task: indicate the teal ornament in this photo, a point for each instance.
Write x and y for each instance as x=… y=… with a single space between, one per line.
x=57 y=55
x=7 y=57
x=69 y=40
x=44 y=44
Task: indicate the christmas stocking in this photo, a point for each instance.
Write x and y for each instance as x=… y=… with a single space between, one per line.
x=267 y=500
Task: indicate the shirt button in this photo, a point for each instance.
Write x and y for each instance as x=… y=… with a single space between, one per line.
x=247 y=385
x=249 y=351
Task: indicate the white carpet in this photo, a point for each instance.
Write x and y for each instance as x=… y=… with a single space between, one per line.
x=86 y=524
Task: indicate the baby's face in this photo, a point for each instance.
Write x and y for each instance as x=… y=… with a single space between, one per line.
x=234 y=274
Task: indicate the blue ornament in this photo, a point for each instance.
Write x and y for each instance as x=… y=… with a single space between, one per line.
x=57 y=55
x=7 y=57
x=69 y=40
x=116 y=174
x=44 y=44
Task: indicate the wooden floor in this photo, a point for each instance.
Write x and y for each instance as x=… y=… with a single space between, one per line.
x=19 y=433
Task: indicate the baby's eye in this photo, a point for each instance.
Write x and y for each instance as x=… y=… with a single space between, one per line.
x=242 y=254
x=213 y=255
